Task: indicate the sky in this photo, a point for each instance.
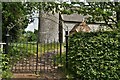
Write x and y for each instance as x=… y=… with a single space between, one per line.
x=33 y=25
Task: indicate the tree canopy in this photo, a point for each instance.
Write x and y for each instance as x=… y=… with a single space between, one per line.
x=106 y=12
x=15 y=18
x=17 y=15
x=98 y=12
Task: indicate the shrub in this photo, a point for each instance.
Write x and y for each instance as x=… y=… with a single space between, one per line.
x=17 y=51
x=5 y=67
x=94 y=56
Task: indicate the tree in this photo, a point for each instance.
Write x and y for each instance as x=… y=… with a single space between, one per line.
x=15 y=18
x=31 y=36
x=106 y=12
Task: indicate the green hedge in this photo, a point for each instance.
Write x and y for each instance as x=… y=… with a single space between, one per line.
x=95 y=56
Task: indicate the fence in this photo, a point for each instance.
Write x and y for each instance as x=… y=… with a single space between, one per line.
x=34 y=57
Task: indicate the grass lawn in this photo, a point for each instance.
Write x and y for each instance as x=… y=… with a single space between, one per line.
x=27 y=49
x=32 y=47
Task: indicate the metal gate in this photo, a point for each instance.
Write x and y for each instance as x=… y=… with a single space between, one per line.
x=33 y=58
x=37 y=58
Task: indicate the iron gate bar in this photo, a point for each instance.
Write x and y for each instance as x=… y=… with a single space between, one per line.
x=57 y=54
x=7 y=42
x=31 y=61
x=47 y=55
x=20 y=44
x=37 y=56
x=5 y=47
x=41 y=51
x=66 y=36
x=44 y=57
x=45 y=63
x=29 y=58
x=54 y=55
x=60 y=52
x=14 y=52
x=26 y=52
x=51 y=57
x=22 y=55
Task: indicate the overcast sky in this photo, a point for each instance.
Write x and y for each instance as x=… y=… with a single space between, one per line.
x=33 y=25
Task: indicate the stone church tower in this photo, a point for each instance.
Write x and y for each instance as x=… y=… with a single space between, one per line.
x=49 y=26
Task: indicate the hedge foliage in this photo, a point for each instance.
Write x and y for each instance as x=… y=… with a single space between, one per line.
x=95 y=56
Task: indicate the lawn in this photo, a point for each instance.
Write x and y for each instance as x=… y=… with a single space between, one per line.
x=31 y=47
x=24 y=50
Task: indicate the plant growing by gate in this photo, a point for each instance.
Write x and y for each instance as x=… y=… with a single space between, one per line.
x=5 y=66
x=95 y=55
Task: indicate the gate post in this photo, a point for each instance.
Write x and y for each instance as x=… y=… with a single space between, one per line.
x=60 y=41
x=5 y=51
x=7 y=41
x=66 y=40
